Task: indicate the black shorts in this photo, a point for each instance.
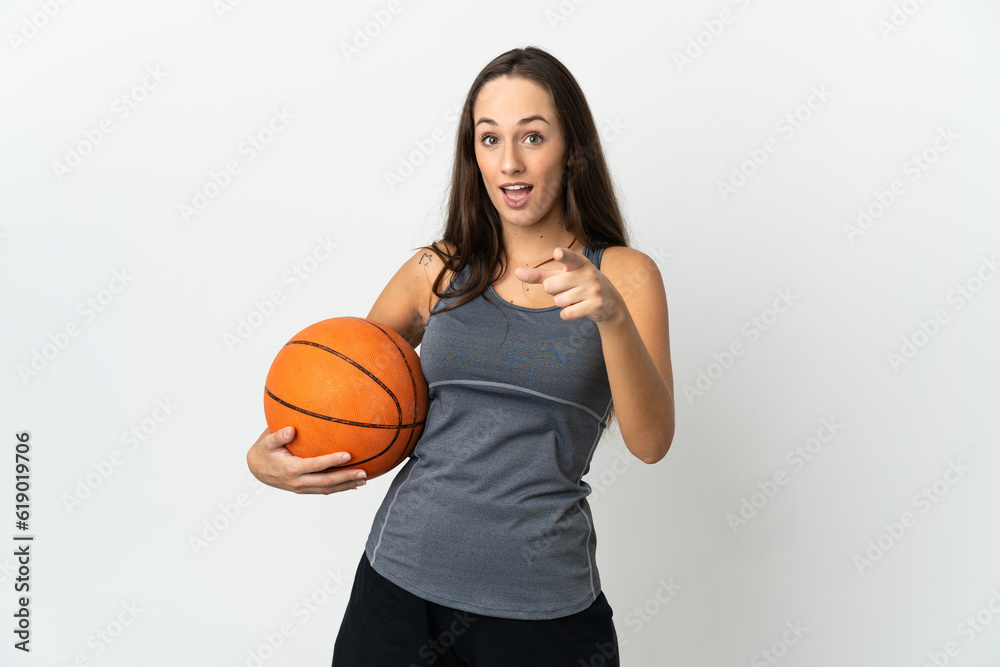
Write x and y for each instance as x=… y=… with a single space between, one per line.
x=387 y=626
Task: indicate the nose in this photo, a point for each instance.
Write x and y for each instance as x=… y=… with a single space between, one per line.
x=511 y=162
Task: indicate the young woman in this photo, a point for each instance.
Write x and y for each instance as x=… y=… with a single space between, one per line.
x=483 y=552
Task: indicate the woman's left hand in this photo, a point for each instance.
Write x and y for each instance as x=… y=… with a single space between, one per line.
x=579 y=288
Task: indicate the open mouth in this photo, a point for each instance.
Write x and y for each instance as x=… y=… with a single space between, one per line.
x=516 y=196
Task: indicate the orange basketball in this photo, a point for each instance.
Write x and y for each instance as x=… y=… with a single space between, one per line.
x=348 y=384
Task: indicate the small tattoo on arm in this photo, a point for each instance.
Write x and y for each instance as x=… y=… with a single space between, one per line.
x=426 y=255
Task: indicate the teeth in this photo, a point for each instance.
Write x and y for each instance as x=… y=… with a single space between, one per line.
x=516 y=187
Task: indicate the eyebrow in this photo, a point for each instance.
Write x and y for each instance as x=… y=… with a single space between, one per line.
x=523 y=121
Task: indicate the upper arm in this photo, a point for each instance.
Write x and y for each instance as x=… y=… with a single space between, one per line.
x=637 y=278
x=403 y=304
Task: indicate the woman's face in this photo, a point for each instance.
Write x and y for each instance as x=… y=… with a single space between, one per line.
x=520 y=143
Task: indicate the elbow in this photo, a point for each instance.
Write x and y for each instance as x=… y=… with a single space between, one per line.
x=654 y=446
x=656 y=454
x=662 y=446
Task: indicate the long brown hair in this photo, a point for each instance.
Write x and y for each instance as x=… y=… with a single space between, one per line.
x=473 y=224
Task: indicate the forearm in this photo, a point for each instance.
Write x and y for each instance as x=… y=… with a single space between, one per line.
x=643 y=400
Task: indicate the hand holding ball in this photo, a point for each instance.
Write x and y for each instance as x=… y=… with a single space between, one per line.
x=348 y=384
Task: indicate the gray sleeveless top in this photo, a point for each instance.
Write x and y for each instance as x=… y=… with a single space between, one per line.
x=489 y=514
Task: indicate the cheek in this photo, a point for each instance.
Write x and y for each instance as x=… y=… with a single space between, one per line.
x=484 y=167
x=555 y=169
x=556 y=176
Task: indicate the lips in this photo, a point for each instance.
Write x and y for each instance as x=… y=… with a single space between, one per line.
x=515 y=195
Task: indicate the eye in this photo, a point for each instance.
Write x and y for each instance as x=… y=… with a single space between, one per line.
x=485 y=139
x=536 y=136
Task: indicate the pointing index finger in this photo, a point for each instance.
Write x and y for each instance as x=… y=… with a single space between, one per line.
x=569 y=258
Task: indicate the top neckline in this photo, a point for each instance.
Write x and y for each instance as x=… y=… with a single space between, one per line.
x=514 y=305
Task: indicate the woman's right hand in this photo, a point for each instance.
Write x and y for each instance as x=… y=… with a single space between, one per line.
x=271 y=462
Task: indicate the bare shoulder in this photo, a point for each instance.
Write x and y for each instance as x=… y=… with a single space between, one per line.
x=403 y=303
x=430 y=266
x=629 y=269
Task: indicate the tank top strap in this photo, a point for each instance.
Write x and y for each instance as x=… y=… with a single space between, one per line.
x=594 y=255
x=457 y=277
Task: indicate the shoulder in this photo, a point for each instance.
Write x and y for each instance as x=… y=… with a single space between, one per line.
x=637 y=278
x=624 y=265
x=404 y=303
x=430 y=262
x=427 y=266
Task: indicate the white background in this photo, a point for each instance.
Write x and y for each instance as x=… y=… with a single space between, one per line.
x=673 y=132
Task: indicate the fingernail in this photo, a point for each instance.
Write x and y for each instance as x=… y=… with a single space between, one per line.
x=360 y=475
x=345 y=457
x=361 y=483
